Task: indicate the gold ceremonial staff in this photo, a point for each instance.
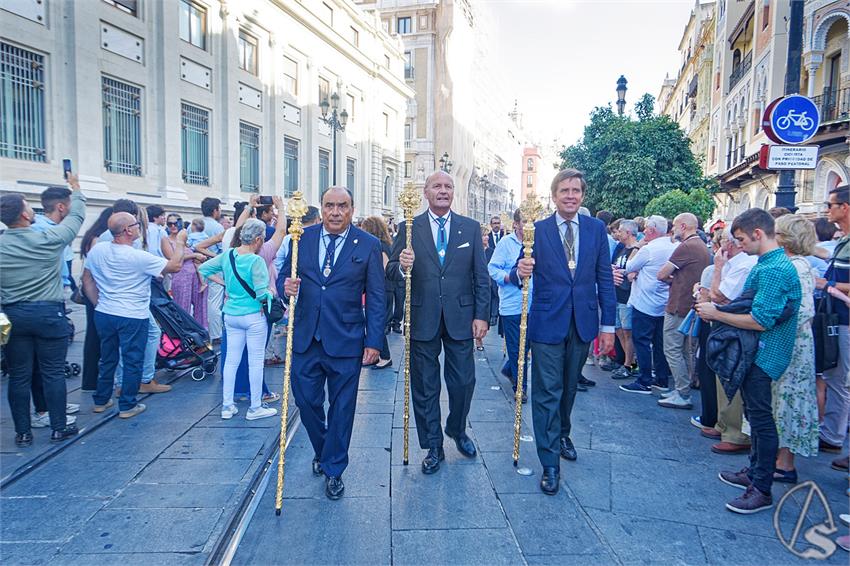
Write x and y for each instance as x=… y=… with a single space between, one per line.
x=530 y=210
x=409 y=200
x=295 y=208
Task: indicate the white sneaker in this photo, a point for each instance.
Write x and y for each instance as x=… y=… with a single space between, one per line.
x=229 y=411
x=43 y=421
x=675 y=401
x=696 y=422
x=261 y=413
x=71 y=408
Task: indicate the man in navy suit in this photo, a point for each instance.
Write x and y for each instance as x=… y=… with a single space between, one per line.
x=449 y=306
x=571 y=285
x=338 y=264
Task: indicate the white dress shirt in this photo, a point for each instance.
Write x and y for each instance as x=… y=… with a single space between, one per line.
x=649 y=295
x=562 y=223
x=435 y=226
x=735 y=273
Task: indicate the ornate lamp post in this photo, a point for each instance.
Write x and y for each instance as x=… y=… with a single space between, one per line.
x=621 y=94
x=336 y=121
x=445 y=163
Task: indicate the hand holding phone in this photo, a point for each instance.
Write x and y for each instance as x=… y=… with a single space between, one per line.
x=66 y=168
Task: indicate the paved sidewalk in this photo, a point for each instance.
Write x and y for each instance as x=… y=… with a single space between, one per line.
x=644 y=490
x=160 y=488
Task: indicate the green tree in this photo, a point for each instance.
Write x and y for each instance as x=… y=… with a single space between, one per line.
x=629 y=162
x=672 y=203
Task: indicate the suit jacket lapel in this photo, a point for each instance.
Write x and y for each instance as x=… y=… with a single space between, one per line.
x=554 y=234
x=312 y=257
x=455 y=236
x=586 y=257
x=422 y=230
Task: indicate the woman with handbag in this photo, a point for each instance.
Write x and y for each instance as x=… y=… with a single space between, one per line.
x=246 y=281
x=794 y=397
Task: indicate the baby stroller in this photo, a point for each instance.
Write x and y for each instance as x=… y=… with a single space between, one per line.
x=184 y=343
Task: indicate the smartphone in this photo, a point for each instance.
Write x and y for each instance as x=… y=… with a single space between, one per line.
x=265 y=200
x=66 y=167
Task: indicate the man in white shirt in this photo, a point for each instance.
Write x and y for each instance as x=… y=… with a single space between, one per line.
x=117 y=281
x=648 y=300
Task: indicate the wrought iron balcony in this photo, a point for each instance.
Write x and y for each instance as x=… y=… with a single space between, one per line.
x=741 y=70
x=834 y=105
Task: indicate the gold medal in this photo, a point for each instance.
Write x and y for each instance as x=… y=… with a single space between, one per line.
x=571 y=264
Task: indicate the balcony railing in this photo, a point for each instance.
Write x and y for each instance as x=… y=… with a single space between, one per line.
x=834 y=105
x=741 y=70
x=408 y=73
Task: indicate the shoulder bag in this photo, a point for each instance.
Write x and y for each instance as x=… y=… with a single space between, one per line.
x=825 y=327
x=274 y=313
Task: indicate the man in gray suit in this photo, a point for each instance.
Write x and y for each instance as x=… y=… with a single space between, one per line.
x=450 y=305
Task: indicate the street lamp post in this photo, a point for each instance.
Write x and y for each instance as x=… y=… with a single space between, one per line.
x=336 y=121
x=621 y=94
x=445 y=163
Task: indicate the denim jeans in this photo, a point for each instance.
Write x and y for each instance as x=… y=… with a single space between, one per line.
x=151 y=346
x=127 y=336
x=38 y=327
x=510 y=324
x=648 y=339
x=757 y=396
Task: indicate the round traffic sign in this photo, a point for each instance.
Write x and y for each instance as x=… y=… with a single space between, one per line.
x=791 y=119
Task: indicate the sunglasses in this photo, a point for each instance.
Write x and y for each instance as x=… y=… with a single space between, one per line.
x=178 y=223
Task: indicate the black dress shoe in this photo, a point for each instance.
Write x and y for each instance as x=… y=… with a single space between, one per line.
x=524 y=398
x=586 y=382
x=317 y=467
x=23 y=439
x=464 y=444
x=63 y=434
x=334 y=488
x=397 y=328
x=568 y=451
x=550 y=482
x=581 y=387
x=431 y=463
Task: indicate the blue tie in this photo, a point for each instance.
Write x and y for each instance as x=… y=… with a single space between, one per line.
x=441 y=240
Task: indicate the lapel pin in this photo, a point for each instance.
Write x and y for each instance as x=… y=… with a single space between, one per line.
x=355 y=241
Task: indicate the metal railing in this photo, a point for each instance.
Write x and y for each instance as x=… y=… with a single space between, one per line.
x=195 y=129
x=833 y=105
x=741 y=70
x=22 y=124
x=408 y=73
x=122 y=127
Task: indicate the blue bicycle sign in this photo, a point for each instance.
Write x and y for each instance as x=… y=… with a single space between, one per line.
x=791 y=119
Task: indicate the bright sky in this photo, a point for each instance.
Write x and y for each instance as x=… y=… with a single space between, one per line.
x=562 y=58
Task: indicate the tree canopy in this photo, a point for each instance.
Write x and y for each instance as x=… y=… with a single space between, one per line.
x=628 y=162
x=672 y=203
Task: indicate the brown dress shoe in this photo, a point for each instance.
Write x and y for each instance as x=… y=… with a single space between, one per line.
x=841 y=464
x=710 y=432
x=154 y=387
x=824 y=446
x=730 y=448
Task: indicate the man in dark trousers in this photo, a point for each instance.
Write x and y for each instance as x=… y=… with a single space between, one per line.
x=572 y=284
x=450 y=305
x=338 y=263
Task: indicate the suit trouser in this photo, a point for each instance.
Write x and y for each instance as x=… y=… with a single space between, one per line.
x=834 y=426
x=459 y=373
x=730 y=416
x=675 y=350
x=554 y=381
x=331 y=435
x=398 y=303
